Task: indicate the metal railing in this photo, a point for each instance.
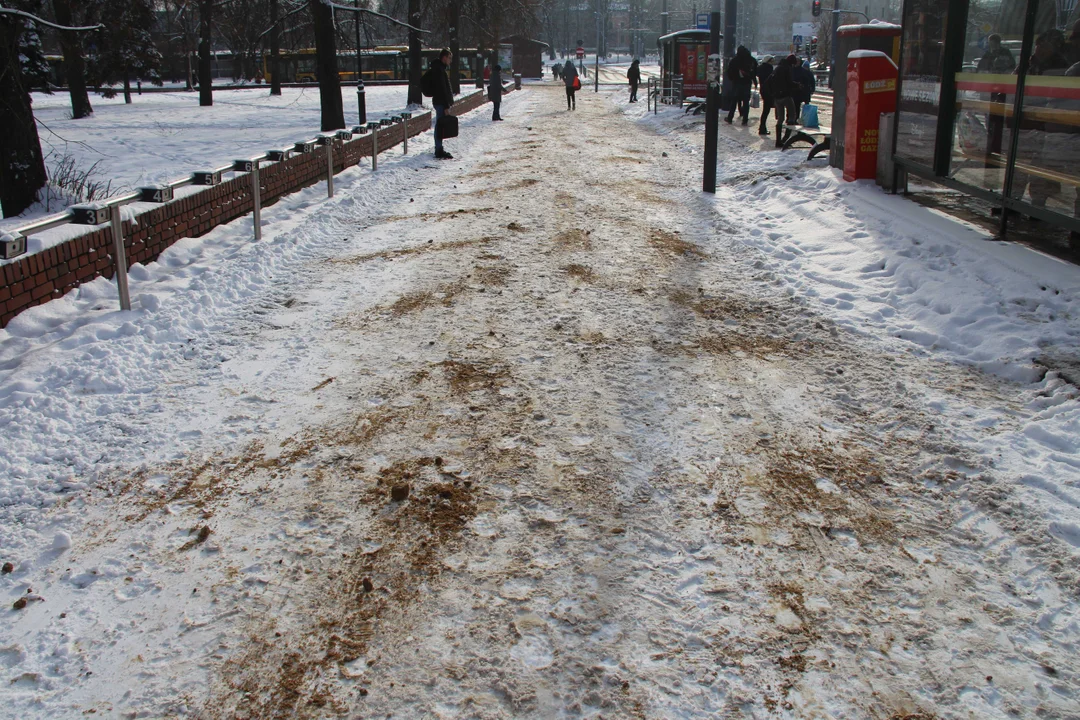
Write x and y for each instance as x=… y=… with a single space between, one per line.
x=13 y=242
x=668 y=91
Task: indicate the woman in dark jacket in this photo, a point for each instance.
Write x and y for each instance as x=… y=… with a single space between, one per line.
x=740 y=73
x=495 y=91
x=784 y=91
x=569 y=76
x=764 y=81
x=634 y=76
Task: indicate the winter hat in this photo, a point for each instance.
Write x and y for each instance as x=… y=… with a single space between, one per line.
x=767 y=59
x=792 y=60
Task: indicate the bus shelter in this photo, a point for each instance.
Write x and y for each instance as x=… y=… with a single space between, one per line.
x=989 y=103
x=684 y=55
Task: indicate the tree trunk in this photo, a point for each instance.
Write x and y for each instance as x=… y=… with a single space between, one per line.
x=127 y=88
x=206 y=91
x=74 y=64
x=333 y=113
x=22 y=169
x=275 y=48
x=415 y=70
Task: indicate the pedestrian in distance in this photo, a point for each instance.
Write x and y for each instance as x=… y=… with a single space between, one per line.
x=783 y=90
x=572 y=83
x=634 y=76
x=804 y=78
x=436 y=84
x=764 y=78
x=495 y=92
x=556 y=71
x=740 y=73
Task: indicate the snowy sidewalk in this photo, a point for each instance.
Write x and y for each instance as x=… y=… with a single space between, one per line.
x=543 y=432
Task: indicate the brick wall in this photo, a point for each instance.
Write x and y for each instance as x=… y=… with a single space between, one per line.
x=38 y=278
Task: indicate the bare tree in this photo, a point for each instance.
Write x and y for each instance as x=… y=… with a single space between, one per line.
x=74 y=61
x=206 y=82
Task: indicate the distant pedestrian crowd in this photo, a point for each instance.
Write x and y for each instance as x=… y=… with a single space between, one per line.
x=784 y=88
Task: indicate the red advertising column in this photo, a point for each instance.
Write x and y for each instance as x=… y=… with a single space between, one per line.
x=871 y=90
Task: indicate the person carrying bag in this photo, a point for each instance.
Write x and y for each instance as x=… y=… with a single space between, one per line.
x=572 y=82
x=436 y=84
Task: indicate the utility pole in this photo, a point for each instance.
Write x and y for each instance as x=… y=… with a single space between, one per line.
x=596 y=74
x=731 y=13
x=832 y=43
x=455 y=62
x=712 y=100
x=361 y=97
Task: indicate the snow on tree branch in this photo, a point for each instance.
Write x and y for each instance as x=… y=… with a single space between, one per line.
x=35 y=18
x=347 y=8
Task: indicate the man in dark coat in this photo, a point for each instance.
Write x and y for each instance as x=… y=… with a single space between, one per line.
x=804 y=78
x=495 y=91
x=442 y=97
x=784 y=90
x=634 y=76
x=764 y=81
x=740 y=73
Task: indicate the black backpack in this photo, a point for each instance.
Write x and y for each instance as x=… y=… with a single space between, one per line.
x=427 y=83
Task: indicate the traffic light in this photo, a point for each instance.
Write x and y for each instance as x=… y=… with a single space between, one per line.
x=816 y=8
x=813 y=46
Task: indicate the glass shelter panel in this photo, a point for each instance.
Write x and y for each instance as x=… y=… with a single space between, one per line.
x=920 y=90
x=986 y=94
x=1048 y=152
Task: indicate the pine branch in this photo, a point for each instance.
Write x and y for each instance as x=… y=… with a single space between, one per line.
x=40 y=21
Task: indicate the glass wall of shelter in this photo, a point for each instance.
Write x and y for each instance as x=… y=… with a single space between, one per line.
x=990 y=101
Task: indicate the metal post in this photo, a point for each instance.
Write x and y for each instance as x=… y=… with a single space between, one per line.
x=596 y=78
x=712 y=101
x=832 y=43
x=119 y=257
x=361 y=97
x=374 y=149
x=1018 y=109
x=330 y=168
x=731 y=11
x=256 y=198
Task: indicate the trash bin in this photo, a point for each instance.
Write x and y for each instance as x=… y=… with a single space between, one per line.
x=517 y=81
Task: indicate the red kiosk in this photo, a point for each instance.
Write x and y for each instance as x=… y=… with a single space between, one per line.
x=871 y=91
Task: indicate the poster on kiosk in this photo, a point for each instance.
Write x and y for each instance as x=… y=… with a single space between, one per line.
x=871 y=91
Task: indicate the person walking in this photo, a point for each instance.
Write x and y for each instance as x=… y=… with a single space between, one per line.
x=740 y=73
x=634 y=76
x=556 y=70
x=572 y=83
x=804 y=78
x=784 y=89
x=495 y=92
x=764 y=81
x=437 y=82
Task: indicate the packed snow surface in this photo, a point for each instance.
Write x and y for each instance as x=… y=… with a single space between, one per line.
x=544 y=431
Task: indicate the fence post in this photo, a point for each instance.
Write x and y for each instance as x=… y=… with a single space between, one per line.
x=374 y=127
x=330 y=167
x=119 y=257
x=256 y=199
x=405 y=117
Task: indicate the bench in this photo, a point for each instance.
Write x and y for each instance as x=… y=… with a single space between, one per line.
x=695 y=104
x=818 y=138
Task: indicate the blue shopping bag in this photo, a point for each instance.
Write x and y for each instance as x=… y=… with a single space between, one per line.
x=809 y=116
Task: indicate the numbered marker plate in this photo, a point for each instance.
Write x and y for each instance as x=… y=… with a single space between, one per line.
x=278 y=155
x=304 y=147
x=89 y=215
x=156 y=194
x=12 y=245
x=206 y=178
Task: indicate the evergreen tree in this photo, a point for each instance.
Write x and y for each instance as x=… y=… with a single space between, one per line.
x=22 y=67
x=125 y=48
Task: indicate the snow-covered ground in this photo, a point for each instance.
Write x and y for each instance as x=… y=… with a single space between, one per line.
x=163 y=137
x=797 y=450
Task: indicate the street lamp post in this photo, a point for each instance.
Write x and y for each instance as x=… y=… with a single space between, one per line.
x=361 y=97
